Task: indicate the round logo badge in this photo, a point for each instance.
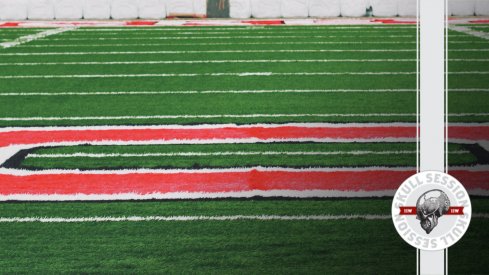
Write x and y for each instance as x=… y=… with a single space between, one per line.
x=431 y=210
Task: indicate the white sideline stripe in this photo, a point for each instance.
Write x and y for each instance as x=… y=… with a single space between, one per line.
x=204 y=218
x=193 y=218
x=197 y=154
x=32 y=37
x=211 y=92
x=239 y=37
x=226 y=116
x=469 y=31
x=205 y=116
x=242 y=74
x=210 y=51
x=210 y=61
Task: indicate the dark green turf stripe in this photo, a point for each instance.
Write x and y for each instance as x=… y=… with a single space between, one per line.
x=361 y=67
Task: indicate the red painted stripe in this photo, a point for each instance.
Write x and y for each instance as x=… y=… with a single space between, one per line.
x=262 y=133
x=219 y=182
x=201 y=182
x=140 y=23
x=9 y=24
x=393 y=21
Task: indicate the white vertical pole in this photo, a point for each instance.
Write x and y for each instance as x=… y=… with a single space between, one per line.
x=432 y=107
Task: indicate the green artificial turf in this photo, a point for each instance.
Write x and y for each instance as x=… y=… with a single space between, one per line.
x=220 y=246
x=405 y=157
x=334 y=247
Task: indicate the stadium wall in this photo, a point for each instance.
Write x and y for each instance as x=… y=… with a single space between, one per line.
x=159 y=9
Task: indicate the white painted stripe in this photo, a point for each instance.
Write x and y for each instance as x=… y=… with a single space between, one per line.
x=246 y=28
x=469 y=31
x=199 y=195
x=212 y=92
x=237 y=153
x=225 y=116
x=22 y=172
x=32 y=37
x=242 y=74
x=203 y=218
x=212 y=51
x=151 y=62
x=208 y=116
x=192 y=218
x=229 y=43
x=239 y=33
x=217 y=126
x=210 y=61
x=238 y=37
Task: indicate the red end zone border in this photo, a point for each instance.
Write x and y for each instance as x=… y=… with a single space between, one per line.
x=212 y=183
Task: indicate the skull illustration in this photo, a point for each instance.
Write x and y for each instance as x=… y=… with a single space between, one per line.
x=429 y=207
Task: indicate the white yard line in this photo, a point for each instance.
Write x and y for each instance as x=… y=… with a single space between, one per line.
x=212 y=92
x=211 y=51
x=205 y=116
x=242 y=74
x=32 y=37
x=192 y=218
x=469 y=31
x=209 y=62
x=199 y=154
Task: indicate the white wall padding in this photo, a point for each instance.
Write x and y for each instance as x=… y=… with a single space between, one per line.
x=200 y=7
x=68 y=9
x=123 y=9
x=152 y=9
x=295 y=8
x=384 y=7
x=40 y=9
x=13 y=9
x=96 y=9
x=353 y=8
x=482 y=7
x=461 y=7
x=240 y=8
x=324 y=8
x=179 y=7
x=407 y=7
x=266 y=8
